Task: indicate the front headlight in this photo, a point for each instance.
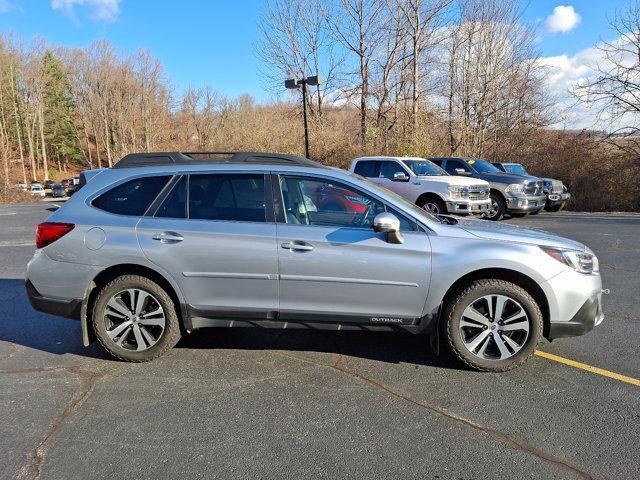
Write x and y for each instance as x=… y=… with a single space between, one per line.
x=514 y=188
x=582 y=262
x=459 y=192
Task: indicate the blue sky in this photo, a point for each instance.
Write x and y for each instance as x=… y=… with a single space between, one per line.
x=211 y=42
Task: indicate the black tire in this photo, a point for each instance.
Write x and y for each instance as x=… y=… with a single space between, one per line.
x=453 y=312
x=432 y=204
x=169 y=336
x=498 y=207
x=554 y=208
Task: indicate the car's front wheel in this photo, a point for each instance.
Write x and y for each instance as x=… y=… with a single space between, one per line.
x=492 y=325
x=135 y=319
x=497 y=208
x=433 y=205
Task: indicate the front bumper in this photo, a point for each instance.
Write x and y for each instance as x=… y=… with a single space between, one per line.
x=53 y=306
x=526 y=203
x=468 y=207
x=589 y=315
x=555 y=199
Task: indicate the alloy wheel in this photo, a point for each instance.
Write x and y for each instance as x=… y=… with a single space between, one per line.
x=493 y=210
x=494 y=327
x=134 y=319
x=432 y=208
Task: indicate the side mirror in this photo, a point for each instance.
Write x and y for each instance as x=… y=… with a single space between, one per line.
x=389 y=224
x=400 y=177
x=463 y=172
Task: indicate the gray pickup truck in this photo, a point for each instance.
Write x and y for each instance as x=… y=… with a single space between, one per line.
x=515 y=195
x=556 y=191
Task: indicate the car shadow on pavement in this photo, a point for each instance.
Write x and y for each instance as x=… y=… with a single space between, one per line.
x=22 y=325
x=378 y=346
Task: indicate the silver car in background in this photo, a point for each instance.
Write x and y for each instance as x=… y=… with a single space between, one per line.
x=166 y=243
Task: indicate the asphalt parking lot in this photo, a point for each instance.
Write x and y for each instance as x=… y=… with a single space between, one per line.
x=297 y=404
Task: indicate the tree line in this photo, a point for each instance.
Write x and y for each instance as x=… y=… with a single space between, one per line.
x=401 y=77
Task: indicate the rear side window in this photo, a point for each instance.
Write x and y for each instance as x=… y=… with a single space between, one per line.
x=367 y=168
x=132 y=197
x=233 y=197
x=175 y=205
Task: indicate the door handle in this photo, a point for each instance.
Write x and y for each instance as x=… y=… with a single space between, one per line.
x=168 y=237
x=297 y=245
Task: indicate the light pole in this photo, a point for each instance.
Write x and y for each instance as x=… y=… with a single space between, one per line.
x=294 y=83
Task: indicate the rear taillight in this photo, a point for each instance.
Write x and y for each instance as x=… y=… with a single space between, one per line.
x=49 y=232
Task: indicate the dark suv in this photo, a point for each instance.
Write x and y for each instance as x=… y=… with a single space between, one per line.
x=516 y=195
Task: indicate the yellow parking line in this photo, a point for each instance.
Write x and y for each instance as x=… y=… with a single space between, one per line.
x=588 y=368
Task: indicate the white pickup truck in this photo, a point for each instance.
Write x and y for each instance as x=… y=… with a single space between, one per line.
x=427 y=185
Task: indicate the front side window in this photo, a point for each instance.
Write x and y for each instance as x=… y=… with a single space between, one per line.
x=388 y=169
x=235 y=197
x=322 y=202
x=424 y=168
x=133 y=197
x=367 y=168
x=451 y=166
x=515 y=168
x=482 y=166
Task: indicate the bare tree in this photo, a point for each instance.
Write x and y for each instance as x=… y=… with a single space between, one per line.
x=358 y=26
x=295 y=42
x=615 y=88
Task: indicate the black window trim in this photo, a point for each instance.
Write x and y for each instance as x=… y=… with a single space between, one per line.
x=281 y=218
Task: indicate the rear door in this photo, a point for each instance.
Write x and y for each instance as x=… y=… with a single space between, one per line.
x=335 y=268
x=216 y=235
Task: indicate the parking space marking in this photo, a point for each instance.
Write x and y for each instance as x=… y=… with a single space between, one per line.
x=588 y=368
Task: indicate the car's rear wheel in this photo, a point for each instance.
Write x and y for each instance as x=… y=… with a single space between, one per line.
x=497 y=208
x=135 y=319
x=492 y=325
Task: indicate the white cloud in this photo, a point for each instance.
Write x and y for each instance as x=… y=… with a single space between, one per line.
x=102 y=10
x=564 y=73
x=563 y=19
x=5 y=6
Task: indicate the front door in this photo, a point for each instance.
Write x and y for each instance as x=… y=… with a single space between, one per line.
x=335 y=268
x=213 y=233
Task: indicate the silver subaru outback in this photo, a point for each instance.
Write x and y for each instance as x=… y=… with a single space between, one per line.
x=166 y=243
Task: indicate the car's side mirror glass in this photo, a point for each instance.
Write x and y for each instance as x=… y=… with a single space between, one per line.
x=462 y=171
x=388 y=224
x=400 y=177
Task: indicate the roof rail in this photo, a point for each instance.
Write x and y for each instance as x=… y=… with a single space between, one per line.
x=153 y=159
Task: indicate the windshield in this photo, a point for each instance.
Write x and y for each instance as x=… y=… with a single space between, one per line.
x=482 y=166
x=398 y=200
x=424 y=168
x=515 y=168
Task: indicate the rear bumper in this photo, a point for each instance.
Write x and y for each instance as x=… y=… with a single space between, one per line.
x=585 y=319
x=468 y=207
x=53 y=306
